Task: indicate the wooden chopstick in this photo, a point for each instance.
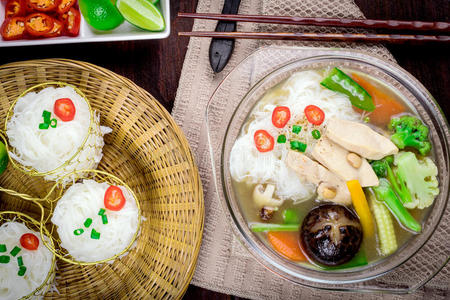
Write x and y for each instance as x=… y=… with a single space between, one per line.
x=360 y=23
x=347 y=37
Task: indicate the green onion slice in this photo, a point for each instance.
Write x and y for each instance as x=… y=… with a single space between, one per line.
x=20 y=261
x=53 y=123
x=78 y=231
x=4 y=259
x=281 y=139
x=299 y=146
x=15 y=251
x=88 y=222
x=22 y=270
x=95 y=235
x=101 y=212
x=2 y=248
x=43 y=126
x=316 y=134
x=46 y=114
x=296 y=129
x=104 y=219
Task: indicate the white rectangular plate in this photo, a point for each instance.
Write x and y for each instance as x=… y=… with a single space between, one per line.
x=125 y=32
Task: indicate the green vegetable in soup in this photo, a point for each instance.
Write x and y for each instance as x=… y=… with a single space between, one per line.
x=383 y=169
x=261 y=227
x=420 y=176
x=360 y=259
x=409 y=131
x=290 y=216
x=385 y=227
x=340 y=82
x=385 y=193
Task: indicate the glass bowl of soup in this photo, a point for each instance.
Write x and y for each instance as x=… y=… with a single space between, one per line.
x=332 y=167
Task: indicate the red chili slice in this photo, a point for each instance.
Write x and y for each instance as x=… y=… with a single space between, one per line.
x=280 y=116
x=264 y=142
x=57 y=29
x=114 y=198
x=71 y=20
x=64 y=6
x=13 y=29
x=15 y=8
x=29 y=241
x=43 y=5
x=314 y=114
x=64 y=109
x=38 y=24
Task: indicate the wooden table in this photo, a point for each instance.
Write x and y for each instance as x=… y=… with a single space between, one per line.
x=156 y=65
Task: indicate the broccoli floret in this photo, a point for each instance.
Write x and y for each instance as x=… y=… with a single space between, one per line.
x=409 y=131
x=420 y=178
x=380 y=167
x=383 y=169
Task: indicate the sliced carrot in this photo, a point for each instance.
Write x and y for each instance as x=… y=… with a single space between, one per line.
x=287 y=244
x=386 y=106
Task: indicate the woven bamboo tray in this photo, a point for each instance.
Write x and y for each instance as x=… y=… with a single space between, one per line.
x=147 y=151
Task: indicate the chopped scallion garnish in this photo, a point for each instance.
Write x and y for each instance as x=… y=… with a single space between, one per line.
x=15 y=251
x=22 y=271
x=78 y=231
x=299 y=146
x=2 y=248
x=43 y=126
x=104 y=219
x=296 y=129
x=95 y=235
x=20 y=261
x=53 y=123
x=88 y=222
x=4 y=259
x=46 y=114
x=101 y=212
x=281 y=139
x=316 y=134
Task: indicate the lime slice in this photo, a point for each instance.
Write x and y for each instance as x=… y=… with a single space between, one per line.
x=4 y=159
x=142 y=13
x=101 y=14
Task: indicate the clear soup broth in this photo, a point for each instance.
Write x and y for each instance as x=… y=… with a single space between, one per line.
x=263 y=161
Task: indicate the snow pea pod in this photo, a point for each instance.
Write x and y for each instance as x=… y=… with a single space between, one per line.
x=340 y=82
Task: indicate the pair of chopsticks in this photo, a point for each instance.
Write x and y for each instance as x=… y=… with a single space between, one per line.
x=436 y=27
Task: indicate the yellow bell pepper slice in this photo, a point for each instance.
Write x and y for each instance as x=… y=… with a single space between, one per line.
x=362 y=207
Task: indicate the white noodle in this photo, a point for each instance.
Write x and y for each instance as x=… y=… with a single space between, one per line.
x=46 y=150
x=297 y=92
x=82 y=201
x=38 y=263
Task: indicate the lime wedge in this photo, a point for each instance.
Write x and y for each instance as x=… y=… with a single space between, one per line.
x=141 y=13
x=4 y=159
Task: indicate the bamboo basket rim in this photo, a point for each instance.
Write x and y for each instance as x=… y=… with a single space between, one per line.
x=180 y=139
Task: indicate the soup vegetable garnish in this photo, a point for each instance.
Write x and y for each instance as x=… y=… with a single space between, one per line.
x=320 y=158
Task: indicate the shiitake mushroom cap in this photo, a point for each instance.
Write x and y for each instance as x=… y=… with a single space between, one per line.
x=331 y=234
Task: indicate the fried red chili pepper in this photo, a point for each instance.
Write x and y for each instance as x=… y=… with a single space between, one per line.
x=15 y=8
x=43 y=5
x=38 y=24
x=13 y=28
x=71 y=20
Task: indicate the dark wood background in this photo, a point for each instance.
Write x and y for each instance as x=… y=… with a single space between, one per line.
x=156 y=65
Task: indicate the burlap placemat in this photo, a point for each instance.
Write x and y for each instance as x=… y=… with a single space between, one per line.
x=223 y=264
